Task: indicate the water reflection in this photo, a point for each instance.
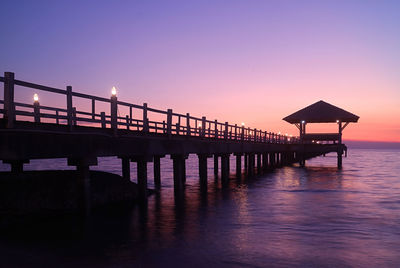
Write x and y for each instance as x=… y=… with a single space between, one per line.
x=316 y=216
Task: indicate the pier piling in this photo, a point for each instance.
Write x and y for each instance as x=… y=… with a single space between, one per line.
x=157 y=171
x=179 y=170
x=215 y=164
x=203 y=170
x=224 y=168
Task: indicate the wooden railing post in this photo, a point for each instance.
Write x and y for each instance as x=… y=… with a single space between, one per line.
x=114 y=112
x=188 y=130
x=203 y=126
x=74 y=120
x=103 y=119
x=235 y=131
x=169 y=121
x=178 y=125
x=9 y=106
x=145 y=119
x=242 y=134
x=255 y=134
x=226 y=131
x=93 y=109
x=216 y=129
x=57 y=117
x=127 y=122
x=130 y=114
x=36 y=111
x=69 y=106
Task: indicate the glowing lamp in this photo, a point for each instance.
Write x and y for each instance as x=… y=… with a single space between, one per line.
x=279 y=133
x=242 y=124
x=35 y=97
x=337 y=121
x=303 y=121
x=113 y=91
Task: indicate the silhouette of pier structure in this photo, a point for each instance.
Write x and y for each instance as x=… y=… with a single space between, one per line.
x=144 y=134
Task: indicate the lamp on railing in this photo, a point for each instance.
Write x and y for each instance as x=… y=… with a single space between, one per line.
x=114 y=91
x=36 y=108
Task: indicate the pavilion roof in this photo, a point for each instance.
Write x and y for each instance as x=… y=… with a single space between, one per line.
x=321 y=112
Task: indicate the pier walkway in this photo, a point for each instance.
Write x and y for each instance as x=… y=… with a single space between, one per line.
x=137 y=133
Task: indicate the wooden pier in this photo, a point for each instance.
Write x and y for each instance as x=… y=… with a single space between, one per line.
x=141 y=134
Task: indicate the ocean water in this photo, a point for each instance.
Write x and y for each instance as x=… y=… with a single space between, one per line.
x=315 y=216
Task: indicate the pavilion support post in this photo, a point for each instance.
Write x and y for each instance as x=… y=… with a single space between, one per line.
x=339 y=159
x=340 y=149
x=224 y=168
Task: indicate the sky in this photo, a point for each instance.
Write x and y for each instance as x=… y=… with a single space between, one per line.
x=237 y=61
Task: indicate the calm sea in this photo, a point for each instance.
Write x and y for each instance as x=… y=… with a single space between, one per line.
x=291 y=217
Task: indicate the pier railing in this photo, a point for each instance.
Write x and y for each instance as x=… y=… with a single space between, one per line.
x=136 y=118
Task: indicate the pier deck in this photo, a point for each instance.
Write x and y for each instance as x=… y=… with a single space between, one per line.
x=31 y=131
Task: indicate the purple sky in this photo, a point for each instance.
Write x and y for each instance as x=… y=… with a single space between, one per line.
x=236 y=61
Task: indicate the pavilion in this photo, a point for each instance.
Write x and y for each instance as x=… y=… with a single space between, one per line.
x=322 y=112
